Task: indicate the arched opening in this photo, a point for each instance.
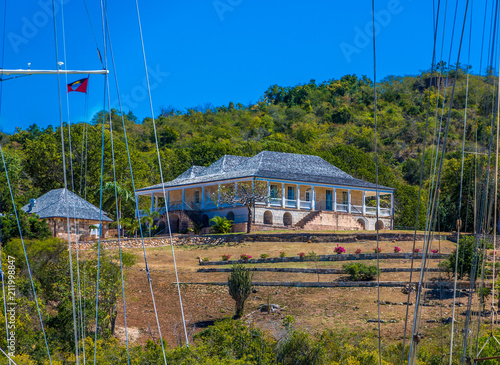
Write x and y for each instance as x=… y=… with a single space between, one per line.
x=287 y=219
x=161 y=226
x=379 y=225
x=204 y=220
x=184 y=226
x=362 y=223
x=174 y=223
x=230 y=216
x=268 y=217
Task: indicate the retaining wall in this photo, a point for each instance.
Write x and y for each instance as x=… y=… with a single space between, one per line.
x=342 y=257
x=317 y=271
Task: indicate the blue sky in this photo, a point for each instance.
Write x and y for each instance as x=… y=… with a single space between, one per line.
x=213 y=51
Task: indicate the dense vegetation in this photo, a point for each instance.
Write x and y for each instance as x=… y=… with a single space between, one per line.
x=332 y=119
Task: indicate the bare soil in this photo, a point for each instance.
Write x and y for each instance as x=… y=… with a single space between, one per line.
x=315 y=309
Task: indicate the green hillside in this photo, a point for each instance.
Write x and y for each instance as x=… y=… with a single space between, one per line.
x=333 y=119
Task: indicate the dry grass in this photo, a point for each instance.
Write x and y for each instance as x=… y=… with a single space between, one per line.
x=314 y=308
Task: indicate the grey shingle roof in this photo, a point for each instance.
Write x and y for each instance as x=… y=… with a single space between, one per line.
x=271 y=165
x=52 y=205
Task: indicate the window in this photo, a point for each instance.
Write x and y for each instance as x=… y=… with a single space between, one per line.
x=290 y=193
x=197 y=197
x=308 y=195
x=345 y=197
x=274 y=191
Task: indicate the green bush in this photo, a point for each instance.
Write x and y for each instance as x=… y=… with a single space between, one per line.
x=221 y=225
x=240 y=287
x=468 y=257
x=360 y=272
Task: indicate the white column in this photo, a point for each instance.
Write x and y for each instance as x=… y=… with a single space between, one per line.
x=313 y=199
x=283 y=195
x=268 y=193
x=137 y=206
x=334 y=199
x=202 y=204
x=152 y=202
x=378 y=203
x=364 y=205
x=298 y=196
x=392 y=204
x=349 y=206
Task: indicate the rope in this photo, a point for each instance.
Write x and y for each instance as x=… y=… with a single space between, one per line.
x=131 y=169
x=116 y=206
x=161 y=176
x=66 y=188
x=1 y=263
x=421 y=180
x=433 y=211
x=93 y=33
x=25 y=253
x=459 y=226
x=376 y=181
x=100 y=196
x=8 y=357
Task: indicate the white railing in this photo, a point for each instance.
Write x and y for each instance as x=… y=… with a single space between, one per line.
x=305 y=204
x=275 y=202
x=341 y=207
x=357 y=209
x=385 y=212
x=371 y=210
x=290 y=203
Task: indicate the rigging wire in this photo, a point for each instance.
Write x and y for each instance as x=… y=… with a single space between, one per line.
x=1 y=260
x=28 y=266
x=434 y=195
x=162 y=180
x=459 y=218
x=376 y=181
x=75 y=330
x=118 y=213
x=421 y=179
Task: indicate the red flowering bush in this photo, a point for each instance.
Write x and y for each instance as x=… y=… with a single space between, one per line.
x=225 y=257
x=377 y=250
x=301 y=254
x=417 y=250
x=435 y=251
x=245 y=257
x=397 y=249
x=358 y=250
x=339 y=249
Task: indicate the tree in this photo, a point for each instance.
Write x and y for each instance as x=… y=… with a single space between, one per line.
x=112 y=191
x=240 y=287
x=246 y=194
x=468 y=257
x=149 y=218
x=131 y=225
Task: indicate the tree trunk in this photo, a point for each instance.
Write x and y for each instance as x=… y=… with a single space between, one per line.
x=239 y=308
x=114 y=314
x=249 y=222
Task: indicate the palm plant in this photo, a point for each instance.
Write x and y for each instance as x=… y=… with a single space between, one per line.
x=112 y=191
x=149 y=218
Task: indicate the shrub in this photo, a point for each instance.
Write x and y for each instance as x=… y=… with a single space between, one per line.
x=397 y=249
x=358 y=251
x=221 y=225
x=245 y=257
x=240 y=287
x=360 y=272
x=226 y=257
x=339 y=249
x=282 y=254
x=435 y=251
x=377 y=250
x=468 y=256
x=417 y=250
x=301 y=254
x=205 y=259
x=264 y=255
